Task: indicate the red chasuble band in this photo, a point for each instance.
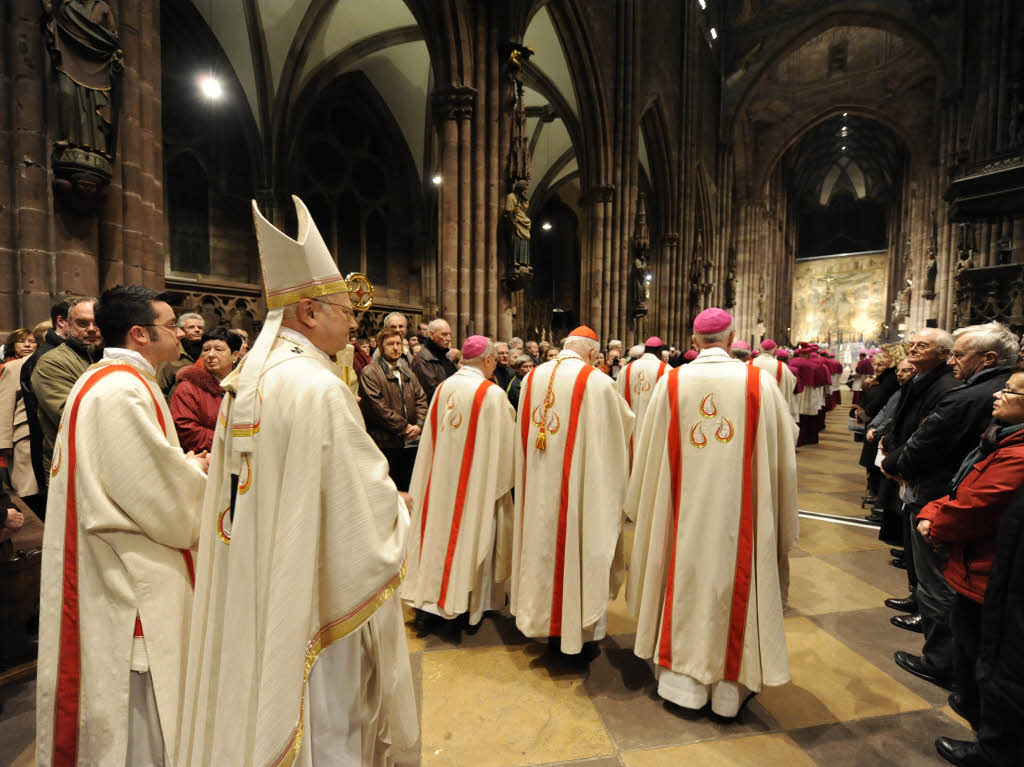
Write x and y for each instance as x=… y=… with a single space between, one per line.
x=69 y=654
x=675 y=461
x=430 y=474
x=460 y=493
x=563 y=505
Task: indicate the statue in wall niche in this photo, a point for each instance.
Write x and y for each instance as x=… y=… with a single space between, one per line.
x=730 y=280
x=82 y=38
x=640 y=288
x=931 y=272
x=517 y=223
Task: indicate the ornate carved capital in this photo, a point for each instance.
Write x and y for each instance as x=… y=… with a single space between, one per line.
x=455 y=102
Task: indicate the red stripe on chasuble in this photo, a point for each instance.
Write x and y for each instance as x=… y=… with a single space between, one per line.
x=460 y=494
x=563 y=504
x=629 y=399
x=778 y=373
x=675 y=462
x=745 y=544
x=67 y=699
x=430 y=474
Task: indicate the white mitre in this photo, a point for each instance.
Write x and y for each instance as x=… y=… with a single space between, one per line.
x=293 y=269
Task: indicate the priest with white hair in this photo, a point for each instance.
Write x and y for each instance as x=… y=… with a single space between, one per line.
x=713 y=495
x=572 y=466
x=461 y=539
x=297 y=653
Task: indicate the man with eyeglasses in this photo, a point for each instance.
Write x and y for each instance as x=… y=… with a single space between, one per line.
x=944 y=432
x=58 y=369
x=117 y=570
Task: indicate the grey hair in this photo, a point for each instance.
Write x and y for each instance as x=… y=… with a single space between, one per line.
x=478 y=360
x=390 y=315
x=435 y=325
x=707 y=339
x=615 y=344
x=522 y=359
x=636 y=352
x=740 y=354
x=515 y=341
x=73 y=302
x=190 y=316
x=581 y=345
x=943 y=338
x=992 y=337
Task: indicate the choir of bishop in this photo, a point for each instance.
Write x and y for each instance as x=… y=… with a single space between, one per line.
x=265 y=580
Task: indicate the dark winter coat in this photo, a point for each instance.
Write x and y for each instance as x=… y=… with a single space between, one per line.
x=431 y=366
x=388 y=409
x=35 y=431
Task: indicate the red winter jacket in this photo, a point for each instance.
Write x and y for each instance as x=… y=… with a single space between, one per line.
x=194 y=407
x=969 y=523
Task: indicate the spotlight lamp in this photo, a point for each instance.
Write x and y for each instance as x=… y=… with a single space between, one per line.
x=436 y=179
x=210 y=87
x=546 y=226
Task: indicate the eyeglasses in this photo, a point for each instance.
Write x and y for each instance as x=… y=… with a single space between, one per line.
x=1007 y=392
x=348 y=309
x=171 y=326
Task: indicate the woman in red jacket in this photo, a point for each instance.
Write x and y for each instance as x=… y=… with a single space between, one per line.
x=197 y=394
x=966 y=522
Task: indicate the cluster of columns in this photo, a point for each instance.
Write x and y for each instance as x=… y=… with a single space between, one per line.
x=50 y=245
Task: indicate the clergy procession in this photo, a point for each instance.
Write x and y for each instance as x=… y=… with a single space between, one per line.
x=226 y=578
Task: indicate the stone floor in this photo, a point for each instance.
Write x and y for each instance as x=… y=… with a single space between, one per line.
x=496 y=698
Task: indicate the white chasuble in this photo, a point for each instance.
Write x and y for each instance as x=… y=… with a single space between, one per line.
x=302 y=548
x=461 y=539
x=122 y=513
x=636 y=384
x=572 y=466
x=713 y=495
x=783 y=376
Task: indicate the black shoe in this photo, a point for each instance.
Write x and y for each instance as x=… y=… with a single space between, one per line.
x=960 y=752
x=898 y=553
x=956 y=702
x=900 y=563
x=872 y=517
x=877 y=510
x=905 y=605
x=913 y=664
x=912 y=622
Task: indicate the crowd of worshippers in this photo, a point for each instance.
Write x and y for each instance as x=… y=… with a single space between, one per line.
x=941 y=419
x=238 y=601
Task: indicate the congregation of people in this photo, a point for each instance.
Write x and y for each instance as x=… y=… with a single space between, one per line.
x=231 y=529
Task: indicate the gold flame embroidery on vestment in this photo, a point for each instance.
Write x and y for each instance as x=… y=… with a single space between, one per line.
x=453 y=418
x=225 y=535
x=724 y=430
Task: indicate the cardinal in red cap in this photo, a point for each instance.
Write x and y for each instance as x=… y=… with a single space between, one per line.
x=460 y=543
x=637 y=380
x=713 y=495
x=572 y=468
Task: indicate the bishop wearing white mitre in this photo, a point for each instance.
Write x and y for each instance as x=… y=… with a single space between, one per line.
x=297 y=653
x=572 y=467
x=713 y=495
x=461 y=540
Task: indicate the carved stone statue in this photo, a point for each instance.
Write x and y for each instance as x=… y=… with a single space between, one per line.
x=82 y=38
x=517 y=223
x=730 y=289
x=931 y=271
x=640 y=288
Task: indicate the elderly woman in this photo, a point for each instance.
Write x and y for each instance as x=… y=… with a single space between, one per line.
x=876 y=393
x=15 y=450
x=523 y=364
x=966 y=523
x=198 y=393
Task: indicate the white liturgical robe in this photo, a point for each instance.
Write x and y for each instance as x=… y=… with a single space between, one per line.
x=298 y=653
x=122 y=514
x=572 y=465
x=636 y=384
x=783 y=376
x=713 y=495
x=461 y=539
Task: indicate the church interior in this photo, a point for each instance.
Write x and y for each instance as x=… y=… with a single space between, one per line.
x=843 y=172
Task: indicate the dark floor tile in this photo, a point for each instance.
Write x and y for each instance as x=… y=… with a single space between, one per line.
x=869 y=633
x=17 y=719
x=495 y=630
x=624 y=691
x=872 y=567
x=906 y=740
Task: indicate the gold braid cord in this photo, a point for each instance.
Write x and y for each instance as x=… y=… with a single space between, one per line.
x=549 y=400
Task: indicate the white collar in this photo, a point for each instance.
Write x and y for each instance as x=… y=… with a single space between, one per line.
x=713 y=351
x=566 y=354
x=471 y=369
x=130 y=356
x=648 y=356
x=298 y=338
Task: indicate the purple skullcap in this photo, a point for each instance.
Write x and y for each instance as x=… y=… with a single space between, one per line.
x=743 y=345
x=474 y=346
x=768 y=344
x=711 y=321
x=691 y=355
x=654 y=341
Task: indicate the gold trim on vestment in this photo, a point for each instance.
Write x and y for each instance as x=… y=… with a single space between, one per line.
x=323 y=639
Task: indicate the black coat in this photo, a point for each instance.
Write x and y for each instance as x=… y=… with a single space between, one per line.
x=1000 y=666
x=875 y=396
x=35 y=431
x=930 y=456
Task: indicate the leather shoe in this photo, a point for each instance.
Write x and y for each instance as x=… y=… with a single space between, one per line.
x=873 y=517
x=963 y=753
x=913 y=664
x=905 y=605
x=912 y=622
x=956 y=702
x=900 y=563
x=897 y=552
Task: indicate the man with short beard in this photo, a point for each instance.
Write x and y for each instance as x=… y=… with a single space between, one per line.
x=58 y=369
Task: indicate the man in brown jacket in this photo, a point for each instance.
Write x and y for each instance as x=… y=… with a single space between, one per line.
x=394 y=406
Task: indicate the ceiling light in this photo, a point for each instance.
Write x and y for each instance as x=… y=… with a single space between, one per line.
x=844 y=148
x=436 y=180
x=546 y=226
x=703 y=5
x=714 y=33
x=210 y=87
x=846 y=114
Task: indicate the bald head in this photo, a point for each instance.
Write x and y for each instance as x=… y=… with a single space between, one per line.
x=440 y=333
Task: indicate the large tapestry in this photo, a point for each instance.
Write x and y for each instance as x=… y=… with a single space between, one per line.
x=839 y=298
